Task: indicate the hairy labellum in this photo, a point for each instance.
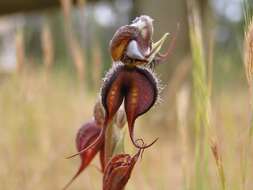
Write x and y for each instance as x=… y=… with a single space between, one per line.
x=136 y=86
x=139 y=90
x=118 y=171
x=86 y=135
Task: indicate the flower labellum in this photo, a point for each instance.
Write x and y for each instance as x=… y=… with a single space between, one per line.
x=118 y=171
x=136 y=86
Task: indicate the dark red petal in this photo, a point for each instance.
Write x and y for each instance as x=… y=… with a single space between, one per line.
x=139 y=88
x=140 y=97
x=112 y=92
x=86 y=135
x=120 y=41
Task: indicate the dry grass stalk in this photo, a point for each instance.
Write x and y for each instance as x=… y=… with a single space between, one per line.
x=78 y=57
x=47 y=46
x=178 y=77
x=96 y=65
x=182 y=110
x=218 y=160
x=248 y=64
x=73 y=45
x=20 y=50
x=210 y=62
x=180 y=74
x=248 y=51
x=200 y=95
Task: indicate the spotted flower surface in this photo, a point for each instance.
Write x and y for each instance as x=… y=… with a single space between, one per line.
x=136 y=86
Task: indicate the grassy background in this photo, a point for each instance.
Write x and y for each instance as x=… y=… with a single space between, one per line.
x=42 y=107
x=40 y=115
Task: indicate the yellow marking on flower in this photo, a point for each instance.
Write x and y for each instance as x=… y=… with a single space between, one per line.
x=134 y=96
x=134 y=100
x=111 y=97
x=113 y=92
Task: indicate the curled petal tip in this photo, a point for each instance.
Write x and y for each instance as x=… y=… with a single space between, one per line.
x=143 y=146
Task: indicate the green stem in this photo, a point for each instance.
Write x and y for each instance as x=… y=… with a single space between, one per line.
x=109 y=143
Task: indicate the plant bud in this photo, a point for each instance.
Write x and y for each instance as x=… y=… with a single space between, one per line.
x=118 y=171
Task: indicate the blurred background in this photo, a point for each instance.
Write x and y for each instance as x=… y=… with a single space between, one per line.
x=53 y=56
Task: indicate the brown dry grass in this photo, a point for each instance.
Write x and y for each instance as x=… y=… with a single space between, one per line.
x=40 y=115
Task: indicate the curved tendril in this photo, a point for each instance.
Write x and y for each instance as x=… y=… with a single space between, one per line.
x=143 y=146
x=141 y=151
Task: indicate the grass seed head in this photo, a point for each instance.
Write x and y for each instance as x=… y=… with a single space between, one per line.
x=248 y=51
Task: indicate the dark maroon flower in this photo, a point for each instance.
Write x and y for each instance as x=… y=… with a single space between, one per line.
x=118 y=171
x=129 y=80
x=137 y=87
